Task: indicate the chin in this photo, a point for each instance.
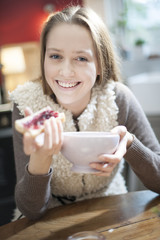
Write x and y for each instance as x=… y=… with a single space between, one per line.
x=66 y=103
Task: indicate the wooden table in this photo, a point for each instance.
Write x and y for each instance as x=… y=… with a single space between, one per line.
x=127 y=216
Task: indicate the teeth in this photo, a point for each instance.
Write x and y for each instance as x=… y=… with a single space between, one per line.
x=67 y=85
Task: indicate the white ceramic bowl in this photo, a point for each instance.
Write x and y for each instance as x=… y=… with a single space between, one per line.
x=82 y=148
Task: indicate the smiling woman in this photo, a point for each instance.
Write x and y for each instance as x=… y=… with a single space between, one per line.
x=79 y=78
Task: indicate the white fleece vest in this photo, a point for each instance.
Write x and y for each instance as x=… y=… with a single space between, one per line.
x=100 y=115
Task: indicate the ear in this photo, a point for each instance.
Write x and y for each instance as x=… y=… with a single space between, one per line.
x=98 y=73
x=98 y=79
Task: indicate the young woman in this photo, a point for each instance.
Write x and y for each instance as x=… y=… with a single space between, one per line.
x=80 y=78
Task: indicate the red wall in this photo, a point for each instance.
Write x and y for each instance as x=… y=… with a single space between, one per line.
x=21 y=20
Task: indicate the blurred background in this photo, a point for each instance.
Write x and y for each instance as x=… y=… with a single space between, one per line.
x=135 y=30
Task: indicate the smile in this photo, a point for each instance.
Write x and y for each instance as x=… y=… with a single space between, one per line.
x=67 y=84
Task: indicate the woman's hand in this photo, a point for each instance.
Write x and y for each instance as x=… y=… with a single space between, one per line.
x=109 y=161
x=41 y=155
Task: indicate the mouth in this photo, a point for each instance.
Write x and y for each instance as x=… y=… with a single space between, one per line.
x=67 y=85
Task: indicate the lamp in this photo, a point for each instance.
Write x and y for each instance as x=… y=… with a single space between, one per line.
x=12 y=59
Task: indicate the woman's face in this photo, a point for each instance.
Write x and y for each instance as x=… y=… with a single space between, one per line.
x=70 y=65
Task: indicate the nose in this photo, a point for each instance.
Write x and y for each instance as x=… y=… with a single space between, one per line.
x=66 y=69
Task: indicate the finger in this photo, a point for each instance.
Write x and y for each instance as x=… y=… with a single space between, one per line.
x=106 y=170
x=97 y=166
x=114 y=158
x=28 y=111
x=109 y=158
x=120 y=130
x=48 y=108
x=103 y=167
x=59 y=136
x=47 y=135
x=60 y=131
x=122 y=148
x=28 y=144
x=118 y=155
x=40 y=140
x=55 y=135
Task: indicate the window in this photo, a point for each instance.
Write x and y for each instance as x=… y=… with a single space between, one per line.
x=143 y=24
x=135 y=23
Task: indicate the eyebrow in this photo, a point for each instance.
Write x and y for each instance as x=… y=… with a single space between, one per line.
x=82 y=51
x=79 y=51
x=54 y=49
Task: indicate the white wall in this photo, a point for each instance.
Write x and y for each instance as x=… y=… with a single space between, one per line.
x=97 y=6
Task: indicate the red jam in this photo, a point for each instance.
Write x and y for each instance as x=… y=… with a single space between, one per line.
x=39 y=119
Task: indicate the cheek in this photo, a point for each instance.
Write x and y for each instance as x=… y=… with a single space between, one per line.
x=49 y=70
x=92 y=73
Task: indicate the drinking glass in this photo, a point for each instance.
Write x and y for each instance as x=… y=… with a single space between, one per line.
x=87 y=235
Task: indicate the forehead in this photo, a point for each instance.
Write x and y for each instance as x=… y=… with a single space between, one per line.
x=70 y=35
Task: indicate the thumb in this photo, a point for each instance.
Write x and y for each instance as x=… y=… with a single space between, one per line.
x=27 y=111
x=121 y=130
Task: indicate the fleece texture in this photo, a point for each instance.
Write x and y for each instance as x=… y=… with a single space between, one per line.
x=100 y=115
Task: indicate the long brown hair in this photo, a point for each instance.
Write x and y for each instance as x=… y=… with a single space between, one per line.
x=85 y=17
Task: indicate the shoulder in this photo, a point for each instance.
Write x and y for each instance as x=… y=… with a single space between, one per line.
x=127 y=103
x=26 y=89
x=124 y=96
x=122 y=91
x=29 y=94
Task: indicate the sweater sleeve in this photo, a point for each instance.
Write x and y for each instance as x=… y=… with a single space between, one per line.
x=144 y=154
x=32 y=193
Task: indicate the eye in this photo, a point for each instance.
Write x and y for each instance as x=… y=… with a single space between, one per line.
x=82 y=59
x=55 y=56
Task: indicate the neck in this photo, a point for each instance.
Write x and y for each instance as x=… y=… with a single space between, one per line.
x=77 y=107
